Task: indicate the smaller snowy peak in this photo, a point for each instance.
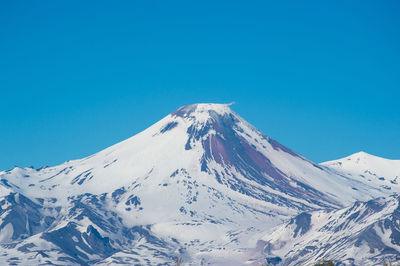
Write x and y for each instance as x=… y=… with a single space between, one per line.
x=361 y=158
x=362 y=155
x=377 y=171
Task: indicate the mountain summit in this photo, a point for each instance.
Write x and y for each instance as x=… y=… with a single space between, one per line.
x=203 y=110
x=376 y=171
x=198 y=184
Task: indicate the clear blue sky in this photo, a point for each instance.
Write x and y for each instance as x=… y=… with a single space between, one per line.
x=321 y=77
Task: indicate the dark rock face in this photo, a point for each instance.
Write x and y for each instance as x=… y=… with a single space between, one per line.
x=133 y=200
x=373 y=241
x=168 y=127
x=89 y=246
x=82 y=177
x=29 y=218
x=229 y=148
x=72 y=242
x=363 y=225
x=185 y=110
x=303 y=223
x=273 y=260
x=25 y=216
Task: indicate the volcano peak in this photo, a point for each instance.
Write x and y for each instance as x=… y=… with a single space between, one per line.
x=199 y=179
x=202 y=111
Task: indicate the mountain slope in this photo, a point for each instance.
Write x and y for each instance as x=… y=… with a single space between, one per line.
x=367 y=233
x=378 y=172
x=200 y=184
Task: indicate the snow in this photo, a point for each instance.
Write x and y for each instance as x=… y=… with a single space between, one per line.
x=217 y=214
x=6 y=233
x=378 y=172
x=335 y=234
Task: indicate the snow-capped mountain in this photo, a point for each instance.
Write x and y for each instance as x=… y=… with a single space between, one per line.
x=201 y=184
x=367 y=233
x=377 y=171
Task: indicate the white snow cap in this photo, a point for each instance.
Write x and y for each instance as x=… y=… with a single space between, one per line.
x=361 y=153
x=364 y=155
x=202 y=112
x=220 y=108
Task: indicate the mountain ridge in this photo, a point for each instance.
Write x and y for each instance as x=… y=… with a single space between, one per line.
x=201 y=183
x=366 y=233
